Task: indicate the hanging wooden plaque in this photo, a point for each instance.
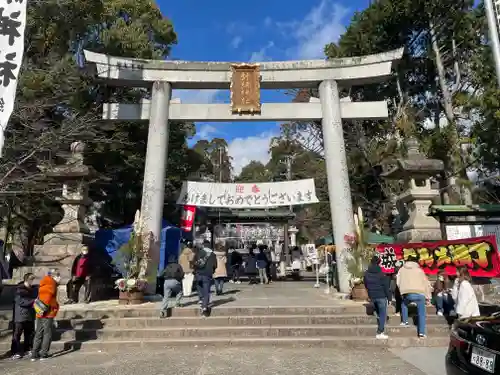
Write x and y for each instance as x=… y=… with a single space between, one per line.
x=245 y=88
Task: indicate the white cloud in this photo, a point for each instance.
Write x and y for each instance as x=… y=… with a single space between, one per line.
x=196 y=96
x=322 y=25
x=205 y=131
x=262 y=55
x=236 y=41
x=244 y=150
x=239 y=28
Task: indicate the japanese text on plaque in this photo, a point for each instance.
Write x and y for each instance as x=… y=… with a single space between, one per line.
x=245 y=89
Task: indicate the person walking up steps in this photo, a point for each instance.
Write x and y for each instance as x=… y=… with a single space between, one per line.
x=262 y=265
x=173 y=275
x=378 y=286
x=46 y=307
x=185 y=261
x=220 y=273
x=204 y=265
x=24 y=317
x=414 y=287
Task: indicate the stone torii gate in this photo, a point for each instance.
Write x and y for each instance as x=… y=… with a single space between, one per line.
x=245 y=82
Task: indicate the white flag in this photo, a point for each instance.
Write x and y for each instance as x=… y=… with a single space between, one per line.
x=12 y=25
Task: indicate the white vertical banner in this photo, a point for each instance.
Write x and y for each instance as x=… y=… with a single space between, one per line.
x=311 y=253
x=12 y=25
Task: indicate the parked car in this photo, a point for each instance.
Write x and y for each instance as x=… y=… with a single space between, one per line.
x=475 y=346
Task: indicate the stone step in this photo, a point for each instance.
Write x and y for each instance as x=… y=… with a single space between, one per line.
x=151 y=311
x=121 y=334
x=244 y=342
x=228 y=321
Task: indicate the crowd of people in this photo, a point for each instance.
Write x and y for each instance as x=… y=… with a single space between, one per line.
x=35 y=309
x=200 y=267
x=410 y=285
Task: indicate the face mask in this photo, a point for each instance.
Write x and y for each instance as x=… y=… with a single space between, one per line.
x=441 y=278
x=57 y=279
x=85 y=252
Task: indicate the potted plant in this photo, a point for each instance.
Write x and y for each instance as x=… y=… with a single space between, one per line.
x=360 y=256
x=133 y=257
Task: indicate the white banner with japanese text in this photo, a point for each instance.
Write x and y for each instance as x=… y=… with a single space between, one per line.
x=311 y=253
x=13 y=23
x=254 y=195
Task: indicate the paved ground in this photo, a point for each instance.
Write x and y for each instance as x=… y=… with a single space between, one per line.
x=413 y=361
x=429 y=360
x=277 y=294
x=226 y=362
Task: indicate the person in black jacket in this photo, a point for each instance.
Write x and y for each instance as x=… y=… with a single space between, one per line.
x=378 y=286
x=204 y=265
x=24 y=317
x=398 y=299
x=236 y=262
x=173 y=275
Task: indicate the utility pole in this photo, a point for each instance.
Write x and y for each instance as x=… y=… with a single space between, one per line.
x=494 y=38
x=288 y=161
x=286 y=240
x=220 y=163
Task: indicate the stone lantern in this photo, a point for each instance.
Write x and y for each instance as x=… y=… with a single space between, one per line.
x=293 y=235
x=68 y=236
x=74 y=199
x=416 y=171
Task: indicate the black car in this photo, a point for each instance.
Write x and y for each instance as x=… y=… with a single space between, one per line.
x=475 y=346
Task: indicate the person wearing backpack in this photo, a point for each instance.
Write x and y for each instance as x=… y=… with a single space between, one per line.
x=204 y=266
x=173 y=276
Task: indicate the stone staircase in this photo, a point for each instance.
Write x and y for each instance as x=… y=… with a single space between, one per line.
x=323 y=326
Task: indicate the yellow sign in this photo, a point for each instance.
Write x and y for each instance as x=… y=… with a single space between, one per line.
x=245 y=88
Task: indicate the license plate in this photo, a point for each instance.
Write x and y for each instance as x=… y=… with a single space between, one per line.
x=483 y=359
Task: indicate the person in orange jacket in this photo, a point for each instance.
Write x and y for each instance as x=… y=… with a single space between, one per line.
x=47 y=297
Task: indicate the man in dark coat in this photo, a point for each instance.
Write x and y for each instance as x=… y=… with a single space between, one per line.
x=24 y=317
x=204 y=266
x=378 y=286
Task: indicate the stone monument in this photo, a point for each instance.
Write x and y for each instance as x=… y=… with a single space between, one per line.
x=416 y=171
x=71 y=233
x=293 y=235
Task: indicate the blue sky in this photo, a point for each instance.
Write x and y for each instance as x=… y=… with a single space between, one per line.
x=253 y=31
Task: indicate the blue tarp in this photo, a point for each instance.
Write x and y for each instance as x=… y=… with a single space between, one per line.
x=112 y=239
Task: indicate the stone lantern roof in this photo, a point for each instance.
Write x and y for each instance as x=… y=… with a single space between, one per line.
x=74 y=168
x=414 y=164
